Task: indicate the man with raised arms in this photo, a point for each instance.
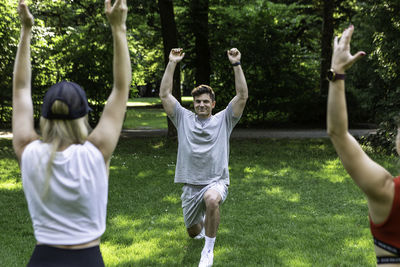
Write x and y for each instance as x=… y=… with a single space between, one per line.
x=203 y=150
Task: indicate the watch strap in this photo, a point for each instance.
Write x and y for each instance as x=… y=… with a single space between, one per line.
x=333 y=76
x=339 y=76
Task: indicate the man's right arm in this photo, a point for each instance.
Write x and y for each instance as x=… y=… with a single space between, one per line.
x=167 y=99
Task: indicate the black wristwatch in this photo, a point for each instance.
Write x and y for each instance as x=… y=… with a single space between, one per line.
x=332 y=76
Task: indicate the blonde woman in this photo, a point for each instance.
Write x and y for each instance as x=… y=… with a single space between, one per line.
x=380 y=187
x=65 y=173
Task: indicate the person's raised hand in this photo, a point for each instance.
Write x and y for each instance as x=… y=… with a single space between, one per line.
x=342 y=59
x=233 y=55
x=25 y=16
x=116 y=14
x=176 y=55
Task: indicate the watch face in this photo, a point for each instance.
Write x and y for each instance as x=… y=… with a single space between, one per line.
x=330 y=75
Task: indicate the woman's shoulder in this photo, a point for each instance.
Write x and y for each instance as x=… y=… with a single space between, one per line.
x=91 y=148
x=34 y=145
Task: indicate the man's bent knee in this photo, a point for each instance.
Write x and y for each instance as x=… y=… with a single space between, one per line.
x=212 y=199
x=194 y=230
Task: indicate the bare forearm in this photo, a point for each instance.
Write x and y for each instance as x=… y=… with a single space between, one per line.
x=167 y=80
x=121 y=62
x=240 y=83
x=22 y=66
x=337 y=123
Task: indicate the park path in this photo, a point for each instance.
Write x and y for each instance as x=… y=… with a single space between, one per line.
x=242 y=133
x=259 y=133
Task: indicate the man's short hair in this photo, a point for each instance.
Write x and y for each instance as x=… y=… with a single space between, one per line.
x=203 y=89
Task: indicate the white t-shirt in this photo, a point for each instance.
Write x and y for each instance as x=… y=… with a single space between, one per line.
x=74 y=209
x=203 y=146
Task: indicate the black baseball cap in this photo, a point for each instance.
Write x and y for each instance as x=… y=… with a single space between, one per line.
x=70 y=94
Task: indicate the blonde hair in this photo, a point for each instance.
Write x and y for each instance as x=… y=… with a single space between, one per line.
x=60 y=133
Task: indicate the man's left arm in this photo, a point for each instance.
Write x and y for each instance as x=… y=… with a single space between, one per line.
x=239 y=101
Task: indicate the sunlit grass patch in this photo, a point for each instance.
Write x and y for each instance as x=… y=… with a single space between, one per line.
x=152 y=101
x=10 y=185
x=143 y=101
x=331 y=170
x=10 y=178
x=173 y=199
x=145 y=119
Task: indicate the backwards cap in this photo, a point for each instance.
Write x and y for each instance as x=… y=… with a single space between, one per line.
x=70 y=94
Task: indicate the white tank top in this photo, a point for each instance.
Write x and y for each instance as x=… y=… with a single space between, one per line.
x=74 y=210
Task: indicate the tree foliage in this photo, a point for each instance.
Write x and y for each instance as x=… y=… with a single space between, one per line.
x=280 y=42
x=279 y=49
x=377 y=83
x=8 y=48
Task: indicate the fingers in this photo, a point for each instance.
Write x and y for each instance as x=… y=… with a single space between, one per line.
x=24 y=14
x=117 y=13
x=176 y=55
x=335 y=41
x=177 y=51
x=233 y=52
x=346 y=36
x=118 y=3
x=357 y=57
x=349 y=34
x=107 y=6
x=22 y=6
x=341 y=56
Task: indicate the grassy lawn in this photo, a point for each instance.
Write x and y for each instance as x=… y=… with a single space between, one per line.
x=151 y=101
x=145 y=118
x=138 y=116
x=290 y=203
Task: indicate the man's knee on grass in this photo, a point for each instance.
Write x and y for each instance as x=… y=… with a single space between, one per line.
x=194 y=230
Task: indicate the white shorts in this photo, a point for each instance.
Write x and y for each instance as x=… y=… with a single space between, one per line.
x=193 y=204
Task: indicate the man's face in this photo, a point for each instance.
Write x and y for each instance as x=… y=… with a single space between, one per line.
x=203 y=105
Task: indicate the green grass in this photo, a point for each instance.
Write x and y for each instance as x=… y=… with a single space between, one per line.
x=151 y=101
x=149 y=118
x=142 y=114
x=290 y=203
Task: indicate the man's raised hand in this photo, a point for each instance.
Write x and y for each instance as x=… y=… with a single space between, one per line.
x=234 y=55
x=24 y=15
x=176 y=55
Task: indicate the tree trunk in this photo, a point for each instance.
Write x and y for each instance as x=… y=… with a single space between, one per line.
x=199 y=13
x=170 y=40
x=326 y=44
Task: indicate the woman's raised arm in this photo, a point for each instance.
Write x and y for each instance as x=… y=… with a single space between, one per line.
x=106 y=134
x=22 y=112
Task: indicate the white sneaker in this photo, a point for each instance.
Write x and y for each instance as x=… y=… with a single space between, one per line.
x=206 y=259
x=201 y=235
